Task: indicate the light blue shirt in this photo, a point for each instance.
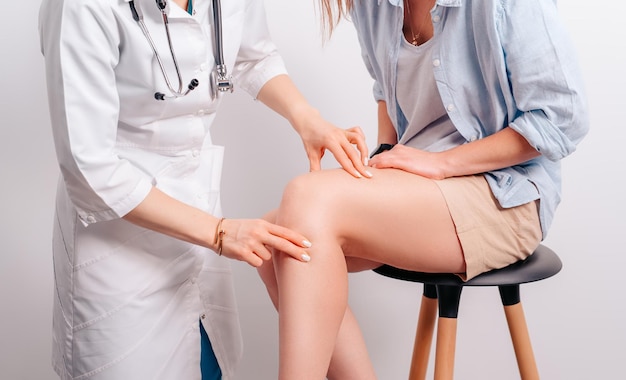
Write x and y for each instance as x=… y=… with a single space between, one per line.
x=497 y=63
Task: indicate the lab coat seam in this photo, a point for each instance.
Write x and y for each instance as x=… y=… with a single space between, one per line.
x=112 y=252
x=213 y=306
x=217 y=270
x=129 y=351
x=131 y=298
x=119 y=358
x=70 y=337
x=65 y=247
x=58 y=296
x=169 y=149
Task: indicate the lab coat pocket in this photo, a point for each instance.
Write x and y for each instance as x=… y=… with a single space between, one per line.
x=195 y=178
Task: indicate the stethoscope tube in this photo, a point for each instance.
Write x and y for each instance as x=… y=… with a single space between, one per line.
x=221 y=82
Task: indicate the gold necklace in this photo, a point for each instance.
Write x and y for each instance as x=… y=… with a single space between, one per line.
x=415 y=37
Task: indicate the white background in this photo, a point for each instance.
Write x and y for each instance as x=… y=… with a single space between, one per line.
x=575 y=318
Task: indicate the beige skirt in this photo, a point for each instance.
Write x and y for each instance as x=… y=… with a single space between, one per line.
x=491 y=237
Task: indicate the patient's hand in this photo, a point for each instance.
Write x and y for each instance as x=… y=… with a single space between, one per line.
x=420 y=162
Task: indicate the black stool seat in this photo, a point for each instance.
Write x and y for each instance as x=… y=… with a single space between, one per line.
x=543 y=263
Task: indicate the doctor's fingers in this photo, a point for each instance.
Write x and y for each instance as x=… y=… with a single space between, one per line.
x=254 y=254
x=356 y=137
x=295 y=250
x=315 y=158
x=251 y=240
x=289 y=242
x=352 y=160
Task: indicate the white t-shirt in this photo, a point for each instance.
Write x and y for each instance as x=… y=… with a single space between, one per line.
x=429 y=126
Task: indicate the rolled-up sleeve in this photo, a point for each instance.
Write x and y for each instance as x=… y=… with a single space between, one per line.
x=80 y=43
x=545 y=78
x=258 y=60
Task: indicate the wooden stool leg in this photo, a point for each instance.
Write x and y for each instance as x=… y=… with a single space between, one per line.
x=446 y=346
x=449 y=298
x=424 y=333
x=519 y=333
x=521 y=342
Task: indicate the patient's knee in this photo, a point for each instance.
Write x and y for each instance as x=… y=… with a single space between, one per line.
x=305 y=196
x=299 y=192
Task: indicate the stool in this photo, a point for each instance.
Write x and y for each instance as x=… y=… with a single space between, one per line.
x=443 y=291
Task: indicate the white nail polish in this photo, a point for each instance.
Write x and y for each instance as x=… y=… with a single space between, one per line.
x=305 y=257
x=307 y=243
x=369 y=174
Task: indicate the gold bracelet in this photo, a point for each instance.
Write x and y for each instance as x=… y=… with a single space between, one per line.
x=219 y=235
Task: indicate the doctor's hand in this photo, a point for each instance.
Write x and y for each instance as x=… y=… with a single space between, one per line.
x=318 y=135
x=252 y=240
x=347 y=145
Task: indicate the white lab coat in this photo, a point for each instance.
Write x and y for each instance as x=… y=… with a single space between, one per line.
x=128 y=300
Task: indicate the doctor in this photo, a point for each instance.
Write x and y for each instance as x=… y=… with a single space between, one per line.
x=138 y=231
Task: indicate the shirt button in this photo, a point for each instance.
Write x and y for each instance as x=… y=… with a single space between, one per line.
x=195 y=153
x=450 y=107
x=436 y=63
x=203 y=316
x=436 y=18
x=200 y=113
x=473 y=138
x=204 y=66
x=91 y=219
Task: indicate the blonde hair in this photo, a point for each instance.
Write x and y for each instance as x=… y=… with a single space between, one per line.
x=332 y=13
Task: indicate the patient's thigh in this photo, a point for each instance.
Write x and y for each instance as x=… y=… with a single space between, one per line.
x=395 y=217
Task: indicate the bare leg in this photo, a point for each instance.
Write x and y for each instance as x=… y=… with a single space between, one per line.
x=350 y=346
x=395 y=218
x=350 y=359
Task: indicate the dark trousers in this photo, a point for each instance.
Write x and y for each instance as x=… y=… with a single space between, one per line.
x=208 y=362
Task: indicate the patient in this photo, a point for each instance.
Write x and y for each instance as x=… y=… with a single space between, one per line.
x=480 y=100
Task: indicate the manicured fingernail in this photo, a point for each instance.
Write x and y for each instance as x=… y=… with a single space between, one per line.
x=305 y=257
x=307 y=243
x=369 y=174
x=365 y=161
x=358 y=175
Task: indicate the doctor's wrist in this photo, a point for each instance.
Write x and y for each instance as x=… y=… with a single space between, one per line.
x=218 y=237
x=301 y=115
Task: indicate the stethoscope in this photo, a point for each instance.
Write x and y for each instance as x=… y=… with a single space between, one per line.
x=221 y=81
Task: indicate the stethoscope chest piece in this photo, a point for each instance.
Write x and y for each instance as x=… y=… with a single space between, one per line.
x=220 y=82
